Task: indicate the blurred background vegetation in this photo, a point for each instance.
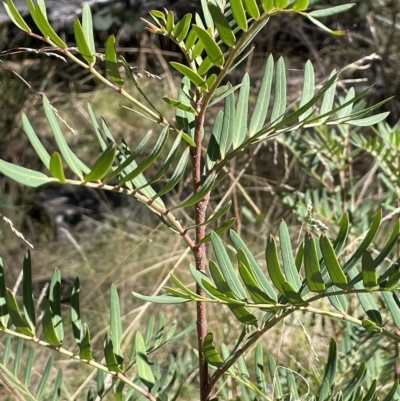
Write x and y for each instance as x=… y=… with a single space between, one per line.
x=97 y=235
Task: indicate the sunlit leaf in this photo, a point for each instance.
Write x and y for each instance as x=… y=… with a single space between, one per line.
x=102 y=165
x=210 y=352
x=370 y=278
x=239 y=14
x=181 y=28
x=144 y=370
x=192 y=75
x=49 y=331
x=213 y=51
x=15 y=16
x=24 y=175
x=300 y=5
x=251 y=8
x=325 y=12
x=331 y=262
x=83 y=45
x=279 y=106
x=241 y=112
x=56 y=167
x=311 y=265
x=221 y=23
x=112 y=63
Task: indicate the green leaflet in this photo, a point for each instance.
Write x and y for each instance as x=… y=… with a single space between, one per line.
x=83 y=45
x=273 y=265
x=189 y=73
x=279 y=106
x=311 y=265
x=324 y=27
x=85 y=350
x=214 y=149
x=206 y=188
x=251 y=8
x=76 y=322
x=179 y=105
x=259 y=369
x=87 y=24
x=116 y=324
x=370 y=278
x=221 y=23
x=144 y=370
x=289 y=266
x=28 y=304
x=3 y=307
x=43 y=384
x=15 y=16
x=109 y=355
x=161 y=299
x=260 y=110
x=213 y=50
x=149 y=160
x=228 y=125
x=331 y=262
x=102 y=164
x=239 y=14
x=24 y=175
x=49 y=330
x=112 y=63
x=220 y=230
x=181 y=28
x=227 y=268
x=210 y=352
x=281 y=4
x=55 y=303
x=300 y=5
x=255 y=268
x=325 y=12
x=46 y=28
x=56 y=167
x=308 y=89
x=240 y=131
x=331 y=363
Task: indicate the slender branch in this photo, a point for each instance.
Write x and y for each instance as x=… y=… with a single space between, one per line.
x=94 y=364
x=199 y=251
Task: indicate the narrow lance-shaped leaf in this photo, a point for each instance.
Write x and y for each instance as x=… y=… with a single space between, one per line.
x=15 y=314
x=255 y=268
x=366 y=299
x=259 y=368
x=273 y=370
x=260 y=110
x=279 y=106
x=221 y=23
x=29 y=307
x=220 y=230
x=308 y=89
x=241 y=112
x=228 y=125
x=72 y=160
x=239 y=14
x=83 y=46
x=214 y=147
x=43 y=384
x=331 y=363
x=311 y=265
x=144 y=370
x=213 y=50
x=207 y=186
x=177 y=175
x=49 y=331
x=155 y=152
x=192 y=75
x=289 y=266
x=181 y=28
x=251 y=8
x=332 y=264
x=56 y=167
x=102 y=164
x=112 y=63
x=87 y=24
x=77 y=326
x=46 y=28
x=15 y=16
x=210 y=352
x=227 y=268
x=109 y=355
x=328 y=99
x=326 y=12
x=116 y=324
x=3 y=307
x=370 y=278
x=24 y=175
x=300 y=5
x=55 y=302
x=273 y=265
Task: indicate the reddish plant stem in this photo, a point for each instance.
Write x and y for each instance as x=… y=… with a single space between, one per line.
x=200 y=250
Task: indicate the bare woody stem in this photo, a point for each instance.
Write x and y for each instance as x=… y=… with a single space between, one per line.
x=199 y=251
